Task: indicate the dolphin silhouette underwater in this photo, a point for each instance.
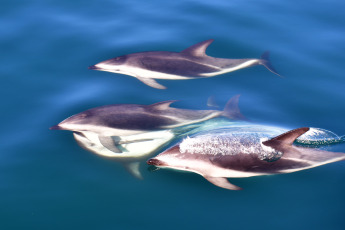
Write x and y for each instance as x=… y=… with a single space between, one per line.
x=129 y=151
x=225 y=153
x=191 y=63
x=130 y=133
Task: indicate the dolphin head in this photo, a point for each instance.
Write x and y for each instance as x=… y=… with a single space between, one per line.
x=114 y=65
x=155 y=162
x=170 y=159
x=80 y=122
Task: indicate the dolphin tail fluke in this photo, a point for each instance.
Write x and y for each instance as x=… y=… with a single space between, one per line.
x=232 y=111
x=222 y=182
x=265 y=61
x=133 y=168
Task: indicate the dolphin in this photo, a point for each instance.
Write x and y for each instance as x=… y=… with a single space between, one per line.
x=130 y=119
x=129 y=151
x=191 y=63
x=225 y=153
x=130 y=132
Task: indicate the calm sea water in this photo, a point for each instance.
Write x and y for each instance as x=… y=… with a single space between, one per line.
x=48 y=182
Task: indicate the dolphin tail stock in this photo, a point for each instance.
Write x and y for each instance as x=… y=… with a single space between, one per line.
x=232 y=111
x=265 y=61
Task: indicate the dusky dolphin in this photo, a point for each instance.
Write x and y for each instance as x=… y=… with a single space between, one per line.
x=130 y=119
x=130 y=133
x=191 y=63
x=222 y=154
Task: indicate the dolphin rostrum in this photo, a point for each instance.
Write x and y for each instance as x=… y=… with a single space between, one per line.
x=222 y=154
x=191 y=63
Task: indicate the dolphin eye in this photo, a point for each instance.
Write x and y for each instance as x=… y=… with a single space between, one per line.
x=118 y=60
x=83 y=115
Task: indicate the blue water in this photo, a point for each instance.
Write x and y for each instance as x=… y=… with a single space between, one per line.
x=48 y=182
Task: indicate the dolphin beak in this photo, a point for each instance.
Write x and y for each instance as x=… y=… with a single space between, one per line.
x=154 y=161
x=56 y=127
x=94 y=67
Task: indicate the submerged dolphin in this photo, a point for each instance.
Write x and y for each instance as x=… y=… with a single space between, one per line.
x=219 y=154
x=191 y=63
x=130 y=133
x=129 y=151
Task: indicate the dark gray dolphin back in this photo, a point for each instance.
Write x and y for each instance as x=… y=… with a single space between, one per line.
x=175 y=64
x=132 y=117
x=191 y=62
x=140 y=117
x=290 y=157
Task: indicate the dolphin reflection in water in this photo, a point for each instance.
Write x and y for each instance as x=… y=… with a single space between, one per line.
x=249 y=150
x=130 y=133
x=191 y=63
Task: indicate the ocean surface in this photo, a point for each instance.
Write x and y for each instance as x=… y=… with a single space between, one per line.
x=48 y=182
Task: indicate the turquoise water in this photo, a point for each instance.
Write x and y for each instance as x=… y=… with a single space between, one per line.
x=48 y=182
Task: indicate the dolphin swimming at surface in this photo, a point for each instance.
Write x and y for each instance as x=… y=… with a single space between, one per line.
x=191 y=63
x=133 y=131
x=130 y=133
x=130 y=119
x=225 y=153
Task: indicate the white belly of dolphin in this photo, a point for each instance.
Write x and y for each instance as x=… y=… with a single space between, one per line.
x=134 y=146
x=140 y=72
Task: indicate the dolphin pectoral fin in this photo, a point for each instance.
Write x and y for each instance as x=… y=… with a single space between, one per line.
x=232 y=110
x=108 y=142
x=151 y=82
x=133 y=168
x=222 y=182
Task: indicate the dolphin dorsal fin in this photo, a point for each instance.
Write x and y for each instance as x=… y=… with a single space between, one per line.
x=162 y=105
x=199 y=49
x=232 y=111
x=286 y=138
x=211 y=102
